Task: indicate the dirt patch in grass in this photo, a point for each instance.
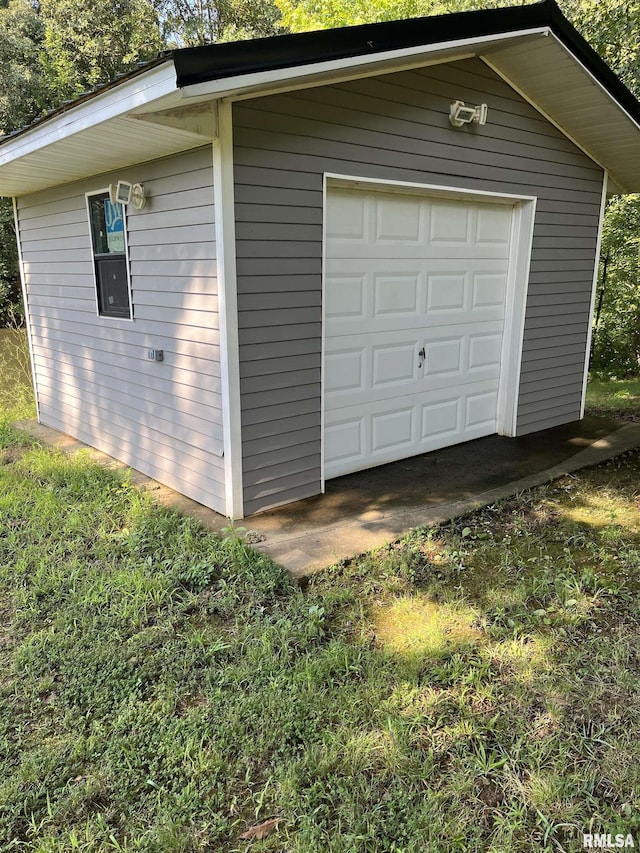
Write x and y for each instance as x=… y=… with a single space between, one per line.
x=9 y=455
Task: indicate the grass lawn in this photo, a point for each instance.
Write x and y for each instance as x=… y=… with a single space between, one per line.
x=475 y=687
x=618 y=398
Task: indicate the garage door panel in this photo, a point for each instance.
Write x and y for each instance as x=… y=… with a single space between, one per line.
x=342 y=400
x=347 y=217
x=403 y=266
x=396 y=294
x=345 y=370
x=369 y=321
x=481 y=410
x=493 y=226
x=344 y=250
x=393 y=430
x=444 y=356
x=344 y=445
x=345 y=296
x=397 y=219
x=388 y=365
x=429 y=292
x=405 y=274
x=440 y=420
x=375 y=218
x=376 y=433
x=447 y=292
x=485 y=350
x=489 y=290
x=392 y=365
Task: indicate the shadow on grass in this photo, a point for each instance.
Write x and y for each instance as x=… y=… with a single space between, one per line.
x=474 y=687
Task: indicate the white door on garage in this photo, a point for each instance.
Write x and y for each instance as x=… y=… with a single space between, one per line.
x=415 y=292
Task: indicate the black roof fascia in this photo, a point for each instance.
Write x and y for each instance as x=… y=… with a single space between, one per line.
x=219 y=61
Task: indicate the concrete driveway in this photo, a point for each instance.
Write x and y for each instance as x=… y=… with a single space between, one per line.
x=363 y=511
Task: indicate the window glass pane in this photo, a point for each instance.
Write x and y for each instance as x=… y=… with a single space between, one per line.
x=113 y=289
x=114 y=220
x=107 y=225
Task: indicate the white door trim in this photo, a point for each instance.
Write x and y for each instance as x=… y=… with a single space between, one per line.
x=223 y=189
x=594 y=287
x=517 y=281
x=522 y=224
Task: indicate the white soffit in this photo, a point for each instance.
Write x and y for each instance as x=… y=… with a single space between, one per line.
x=95 y=136
x=551 y=78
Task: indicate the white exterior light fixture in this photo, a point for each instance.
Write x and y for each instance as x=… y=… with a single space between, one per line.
x=125 y=193
x=460 y=114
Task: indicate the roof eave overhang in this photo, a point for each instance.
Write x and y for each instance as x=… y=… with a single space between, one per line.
x=265 y=82
x=529 y=60
x=159 y=112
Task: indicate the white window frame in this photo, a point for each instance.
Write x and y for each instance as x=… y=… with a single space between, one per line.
x=111 y=317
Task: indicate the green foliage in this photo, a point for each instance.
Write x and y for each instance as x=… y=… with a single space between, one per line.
x=613 y=29
x=24 y=92
x=302 y=15
x=164 y=687
x=616 y=345
x=91 y=42
x=198 y=22
x=11 y=307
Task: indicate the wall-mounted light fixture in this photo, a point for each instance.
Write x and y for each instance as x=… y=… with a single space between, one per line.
x=460 y=114
x=125 y=193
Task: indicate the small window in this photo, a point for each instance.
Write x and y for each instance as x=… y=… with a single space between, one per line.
x=109 y=242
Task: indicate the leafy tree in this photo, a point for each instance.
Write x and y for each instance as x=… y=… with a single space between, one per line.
x=302 y=15
x=10 y=295
x=23 y=92
x=198 y=22
x=23 y=96
x=90 y=42
x=612 y=27
x=616 y=340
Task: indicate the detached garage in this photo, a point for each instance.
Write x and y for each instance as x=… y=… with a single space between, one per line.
x=251 y=267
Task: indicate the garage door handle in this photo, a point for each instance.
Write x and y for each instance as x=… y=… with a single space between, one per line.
x=422 y=357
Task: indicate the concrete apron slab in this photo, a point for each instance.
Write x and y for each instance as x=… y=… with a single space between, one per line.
x=312 y=551
x=306 y=537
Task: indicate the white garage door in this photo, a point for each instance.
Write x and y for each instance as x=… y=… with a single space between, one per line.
x=414 y=315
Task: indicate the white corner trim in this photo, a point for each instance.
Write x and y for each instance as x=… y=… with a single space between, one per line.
x=522 y=225
x=25 y=302
x=594 y=288
x=235 y=86
x=121 y=99
x=225 y=229
x=323 y=301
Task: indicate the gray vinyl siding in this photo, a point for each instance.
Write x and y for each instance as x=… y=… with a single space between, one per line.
x=93 y=378
x=393 y=127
